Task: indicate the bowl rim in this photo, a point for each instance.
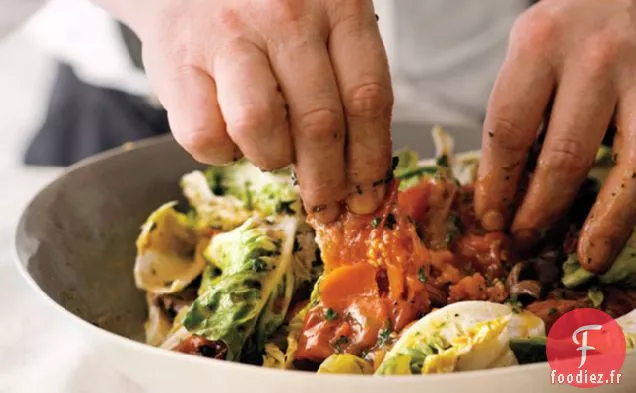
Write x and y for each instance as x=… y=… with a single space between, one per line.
x=118 y=340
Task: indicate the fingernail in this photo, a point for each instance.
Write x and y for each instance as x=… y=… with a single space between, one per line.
x=493 y=221
x=595 y=255
x=325 y=213
x=367 y=202
x=524 y=239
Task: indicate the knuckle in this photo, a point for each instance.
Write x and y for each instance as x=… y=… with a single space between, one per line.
x=321 y=126
x=230 y=20
x=186 y=55
x=535 y=30
x=368 y=100
x=284 y=11
x=350 y=9
x=508 y=136
x=248 y=119
x=566 y=155
x=601 y=50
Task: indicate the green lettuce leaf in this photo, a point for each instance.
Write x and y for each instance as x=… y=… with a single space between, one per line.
x=529 y=350
x=622 y=272
x=254 y=259
x=267 y=193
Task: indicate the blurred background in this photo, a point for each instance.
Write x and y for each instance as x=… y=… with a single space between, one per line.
x=26 y=77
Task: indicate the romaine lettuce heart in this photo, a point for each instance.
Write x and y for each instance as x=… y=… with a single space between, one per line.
x=254 y=259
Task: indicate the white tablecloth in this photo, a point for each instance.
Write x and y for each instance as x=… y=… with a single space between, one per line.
x=38 y=354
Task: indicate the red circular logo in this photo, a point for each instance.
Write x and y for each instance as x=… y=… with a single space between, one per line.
x=585 y=348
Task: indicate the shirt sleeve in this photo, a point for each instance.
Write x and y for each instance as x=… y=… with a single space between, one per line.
x=14 y=12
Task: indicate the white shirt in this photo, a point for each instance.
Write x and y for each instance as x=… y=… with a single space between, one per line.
x=444 y=54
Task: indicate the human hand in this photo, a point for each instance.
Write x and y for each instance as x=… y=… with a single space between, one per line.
x=579 y=55
x=280 y=82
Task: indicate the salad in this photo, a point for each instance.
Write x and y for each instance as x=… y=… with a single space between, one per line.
x=238 y=271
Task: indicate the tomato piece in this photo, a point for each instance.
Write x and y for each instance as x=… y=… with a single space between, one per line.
x=373 y=264
x=413 y=201
x=345 y=284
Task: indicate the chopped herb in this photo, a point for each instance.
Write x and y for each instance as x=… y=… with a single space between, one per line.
x=515 y=304
x=449 y=239
x=455 y=220
x=417 y=172
x=552 y=311
x=340 y=342
x=421 y=275
x=442 y=160
x=417 y=360
x=259 y=265
x=390 y=221
x=384 y=336
x=330 y=314
x=375 y=222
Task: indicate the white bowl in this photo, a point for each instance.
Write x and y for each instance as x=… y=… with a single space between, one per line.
x=75 y=246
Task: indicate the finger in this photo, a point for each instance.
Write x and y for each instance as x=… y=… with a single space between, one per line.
x=188 y=94
x=304 y=71
x=252 y=106
x=367 y=99
x=613 y=216
x=580 y=115
x=517 y=103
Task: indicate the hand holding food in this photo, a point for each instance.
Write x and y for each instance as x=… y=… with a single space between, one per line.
x=280 y=82
x=574 y=59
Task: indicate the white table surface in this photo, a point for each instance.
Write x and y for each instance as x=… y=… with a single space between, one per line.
x=37 y=352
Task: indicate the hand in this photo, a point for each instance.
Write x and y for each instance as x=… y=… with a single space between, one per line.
x=280 y=82
x=579 y=55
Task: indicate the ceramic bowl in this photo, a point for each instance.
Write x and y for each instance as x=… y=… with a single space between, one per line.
x=75 y=244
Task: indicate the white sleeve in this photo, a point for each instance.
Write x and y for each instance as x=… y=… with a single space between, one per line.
x=445 y=55
x=14 y=12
